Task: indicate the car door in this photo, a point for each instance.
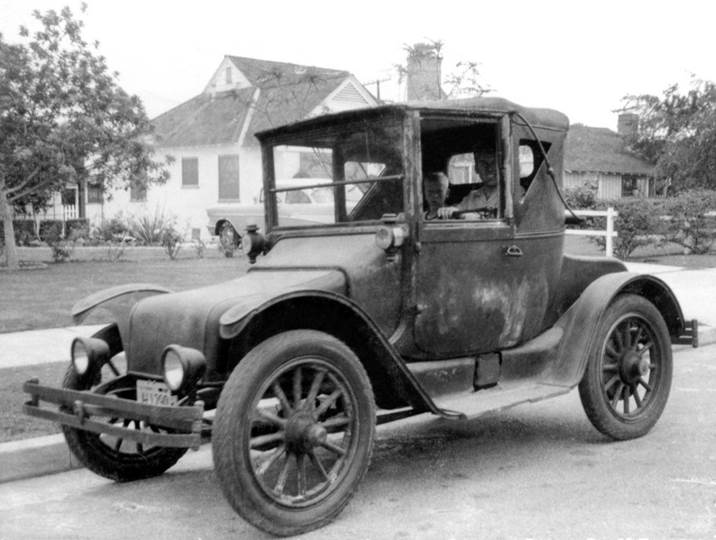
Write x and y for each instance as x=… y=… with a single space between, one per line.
x=476 y=290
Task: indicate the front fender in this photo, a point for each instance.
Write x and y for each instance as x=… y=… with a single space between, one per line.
x=118 y=301
x=582 y=319
x=393 y=383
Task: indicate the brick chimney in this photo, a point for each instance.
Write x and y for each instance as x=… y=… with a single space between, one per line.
x=628 y=124
x=423 y=73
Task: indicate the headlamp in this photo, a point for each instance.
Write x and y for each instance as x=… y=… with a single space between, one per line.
x=254 y=243
x=87 y=352
x=182 y=367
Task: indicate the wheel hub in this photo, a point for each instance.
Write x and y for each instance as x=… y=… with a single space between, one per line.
x=633 y=367
x=303 y=433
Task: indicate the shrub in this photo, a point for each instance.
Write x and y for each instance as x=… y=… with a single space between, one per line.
x=171 y=242
x=77 y=228
x=25 y=232
x=110 y=229
x=583 y=197
x=636 y=225
x=51 y=230
x=689 y=225
x=149 y=229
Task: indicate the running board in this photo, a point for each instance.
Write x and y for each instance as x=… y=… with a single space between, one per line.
x=466 y=405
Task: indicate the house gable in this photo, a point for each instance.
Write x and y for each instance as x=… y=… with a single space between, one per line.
x=227 y=77
x=350 y=94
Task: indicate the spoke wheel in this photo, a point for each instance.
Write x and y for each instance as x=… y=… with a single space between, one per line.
x=113 y=457
x=628 y=377
x=294 y=430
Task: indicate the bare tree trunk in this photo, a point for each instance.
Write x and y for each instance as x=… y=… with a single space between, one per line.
x=6 y=212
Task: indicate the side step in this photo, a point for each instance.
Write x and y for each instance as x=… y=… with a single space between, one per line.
x=499 y=398
x=690 y=335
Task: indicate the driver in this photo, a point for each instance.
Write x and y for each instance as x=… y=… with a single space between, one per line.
x=484 y=199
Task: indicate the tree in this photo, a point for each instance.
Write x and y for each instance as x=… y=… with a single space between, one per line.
x=677 y=131
x=64 y=119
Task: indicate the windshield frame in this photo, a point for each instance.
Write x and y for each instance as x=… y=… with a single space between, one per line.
x=395 y=118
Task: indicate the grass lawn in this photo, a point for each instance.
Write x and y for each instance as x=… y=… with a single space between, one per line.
x=14 y=424
x=42 y=298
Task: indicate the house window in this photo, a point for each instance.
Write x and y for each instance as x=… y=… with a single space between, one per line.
x=137 y=192
x=630 y=188
x=228 y=75
x=94 y=194
x=229 y=177
x=190 y=172
x=69 y=196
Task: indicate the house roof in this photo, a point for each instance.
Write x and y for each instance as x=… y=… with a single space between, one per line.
x=287 y=92
x=591 y=149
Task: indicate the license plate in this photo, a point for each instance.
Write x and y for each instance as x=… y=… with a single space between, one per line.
x=154 y=393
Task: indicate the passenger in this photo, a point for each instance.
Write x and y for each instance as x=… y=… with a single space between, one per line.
x=435 y=186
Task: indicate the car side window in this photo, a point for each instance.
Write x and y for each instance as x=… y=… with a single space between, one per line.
x=465 y=155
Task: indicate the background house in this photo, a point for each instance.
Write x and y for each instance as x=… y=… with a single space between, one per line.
x=217 y=159
x=598 y=156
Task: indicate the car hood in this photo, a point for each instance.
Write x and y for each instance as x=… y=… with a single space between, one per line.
x=192 y=318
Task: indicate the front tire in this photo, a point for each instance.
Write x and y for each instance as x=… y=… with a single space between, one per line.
x=628 y=378
x=293 y=433
x=117 y=459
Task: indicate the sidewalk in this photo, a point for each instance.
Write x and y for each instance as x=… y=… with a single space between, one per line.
x=695 y=289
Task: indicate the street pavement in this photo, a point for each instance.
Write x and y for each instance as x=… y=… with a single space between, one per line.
x=535 y=471
x=695 y=289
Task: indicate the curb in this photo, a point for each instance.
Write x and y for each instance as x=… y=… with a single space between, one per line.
x=41 y=456
x=38 y=456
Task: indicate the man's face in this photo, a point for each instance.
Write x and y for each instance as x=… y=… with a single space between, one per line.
x=487 y=171
x=435 y=192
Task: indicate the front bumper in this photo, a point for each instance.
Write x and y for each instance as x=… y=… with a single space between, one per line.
x=80 y=410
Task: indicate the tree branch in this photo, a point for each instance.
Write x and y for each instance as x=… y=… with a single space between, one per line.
x=24 y=183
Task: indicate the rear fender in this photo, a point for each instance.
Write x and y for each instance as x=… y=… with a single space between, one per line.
x=393 y=384
x=118 y=301
x=582 y=319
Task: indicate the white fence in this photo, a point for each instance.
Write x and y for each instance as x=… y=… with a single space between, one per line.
x=609 y=233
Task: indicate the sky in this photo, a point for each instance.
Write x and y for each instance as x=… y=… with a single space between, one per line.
x=577 y=57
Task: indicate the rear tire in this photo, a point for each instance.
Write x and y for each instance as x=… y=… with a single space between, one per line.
x=293 y=432
x=628 y=378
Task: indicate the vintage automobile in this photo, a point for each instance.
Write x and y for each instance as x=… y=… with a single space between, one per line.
x=311 y=205
x=370 y=317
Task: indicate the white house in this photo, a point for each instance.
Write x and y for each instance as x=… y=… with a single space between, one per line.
x=217 y=159
x=599 y=157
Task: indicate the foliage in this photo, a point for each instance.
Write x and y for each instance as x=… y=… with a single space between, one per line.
x=65 y=119
x=52 y=233
x=78 y=228
x=112 y=229
x=51 y=230
x=171 y=242
x=637 y=225
x=115 y=250
x=149 y=229
x=582 y=197
x=690 y=225
x=677 y=131
x=24 y=230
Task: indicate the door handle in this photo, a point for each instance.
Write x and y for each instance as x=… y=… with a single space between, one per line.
x=513 y=251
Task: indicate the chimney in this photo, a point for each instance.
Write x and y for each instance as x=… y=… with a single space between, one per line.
x=423 y=73
x=628 y=124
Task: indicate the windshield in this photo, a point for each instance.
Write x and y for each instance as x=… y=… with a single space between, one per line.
x=350 y=172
